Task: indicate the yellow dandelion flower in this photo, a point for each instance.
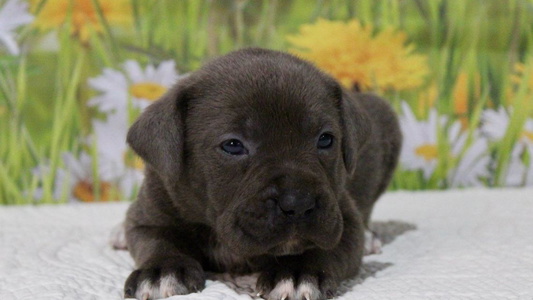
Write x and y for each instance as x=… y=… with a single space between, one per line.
x=83 y=15
x=356 y=57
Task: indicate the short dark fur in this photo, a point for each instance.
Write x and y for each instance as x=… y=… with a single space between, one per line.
x=200 y=209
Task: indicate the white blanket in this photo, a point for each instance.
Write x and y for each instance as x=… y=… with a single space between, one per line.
x=472 y=244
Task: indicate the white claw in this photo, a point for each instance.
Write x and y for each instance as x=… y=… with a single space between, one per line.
x=308 y=291
x=283 y=290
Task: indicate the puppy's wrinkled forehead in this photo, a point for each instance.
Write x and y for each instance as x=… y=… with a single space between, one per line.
x=256 y=94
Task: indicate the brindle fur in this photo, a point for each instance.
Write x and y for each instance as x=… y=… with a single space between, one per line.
x=200 y=209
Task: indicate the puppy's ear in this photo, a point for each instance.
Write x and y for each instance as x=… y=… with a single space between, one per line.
x=356 y=127
x=157 y=136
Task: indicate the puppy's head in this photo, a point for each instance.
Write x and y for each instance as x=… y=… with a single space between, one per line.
x=266 y=141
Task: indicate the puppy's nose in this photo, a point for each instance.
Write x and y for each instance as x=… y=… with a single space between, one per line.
x=294 y=205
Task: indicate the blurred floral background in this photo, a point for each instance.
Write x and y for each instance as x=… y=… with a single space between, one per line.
x=74 y=74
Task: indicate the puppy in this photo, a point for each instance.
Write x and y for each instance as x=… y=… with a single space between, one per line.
x=257 y=162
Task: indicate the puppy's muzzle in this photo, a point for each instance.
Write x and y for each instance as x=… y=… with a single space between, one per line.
x=296 y=205
x=295 y=196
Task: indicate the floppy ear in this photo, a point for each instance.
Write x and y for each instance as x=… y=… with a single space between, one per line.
x=356 y=127
x=157 y=136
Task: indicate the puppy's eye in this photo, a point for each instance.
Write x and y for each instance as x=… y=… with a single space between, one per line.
x=233 y=147
x=325 y=141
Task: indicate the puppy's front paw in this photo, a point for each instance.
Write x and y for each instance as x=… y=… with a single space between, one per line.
x=164 y=280
x=290 y=285
x=117 y=239
x=372 y=243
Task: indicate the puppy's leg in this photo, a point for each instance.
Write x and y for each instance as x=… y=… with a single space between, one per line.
x=117 y=238
x=372 y=243
x=165 y=267
x=316 y=273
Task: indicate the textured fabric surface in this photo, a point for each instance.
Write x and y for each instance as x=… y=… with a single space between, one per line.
x=472 y=244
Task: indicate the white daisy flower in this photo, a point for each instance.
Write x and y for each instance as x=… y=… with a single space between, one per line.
x=110 y=136
x=519 y=173
x=60 y=187
x=420 y=148
x=143 y=86
x=130 y=182
x=474 y=163
x=114 y=87
x=13 y=14
x=76 y=181
x=495 y=124
x=472 y=167
x=527 y=134
x=151 y=84
x=117 y=88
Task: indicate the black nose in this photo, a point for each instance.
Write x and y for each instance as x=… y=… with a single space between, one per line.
x=294 y=205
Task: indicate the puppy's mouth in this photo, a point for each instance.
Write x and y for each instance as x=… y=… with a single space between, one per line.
x=255 y=231
x=293 y=246
x=290 y=239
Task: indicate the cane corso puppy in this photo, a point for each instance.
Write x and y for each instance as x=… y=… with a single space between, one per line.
x=257 y=162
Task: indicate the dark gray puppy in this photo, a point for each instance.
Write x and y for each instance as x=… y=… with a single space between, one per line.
x=257 y=162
